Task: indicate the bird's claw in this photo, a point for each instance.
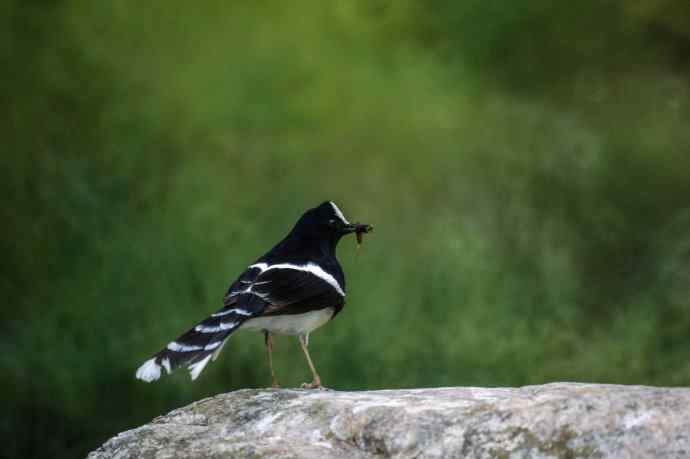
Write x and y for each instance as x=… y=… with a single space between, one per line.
x=314 y=385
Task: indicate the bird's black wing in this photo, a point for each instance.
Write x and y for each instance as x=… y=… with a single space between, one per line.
x=288 y=288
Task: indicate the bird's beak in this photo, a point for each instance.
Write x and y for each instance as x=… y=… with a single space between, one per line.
x=357 y=228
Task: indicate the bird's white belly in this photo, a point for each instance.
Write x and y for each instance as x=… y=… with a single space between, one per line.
x=290 y=324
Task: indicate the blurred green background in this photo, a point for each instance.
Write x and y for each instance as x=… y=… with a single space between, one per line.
x=526 y=165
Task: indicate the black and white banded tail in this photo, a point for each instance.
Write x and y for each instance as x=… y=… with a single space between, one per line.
x=195 y=348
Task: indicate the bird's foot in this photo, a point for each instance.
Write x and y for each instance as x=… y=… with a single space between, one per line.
x=316 y=384
x=311 y=386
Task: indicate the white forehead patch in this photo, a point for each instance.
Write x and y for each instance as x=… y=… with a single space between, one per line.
x=339 y=213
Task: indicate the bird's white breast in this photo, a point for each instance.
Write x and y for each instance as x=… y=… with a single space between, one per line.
x=290 y=324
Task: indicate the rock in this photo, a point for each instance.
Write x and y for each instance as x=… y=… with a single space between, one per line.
x=561 y=420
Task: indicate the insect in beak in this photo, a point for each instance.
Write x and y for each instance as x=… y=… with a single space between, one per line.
x=360 y=230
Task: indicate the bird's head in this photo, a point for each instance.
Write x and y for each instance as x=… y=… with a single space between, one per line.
x=326 y=222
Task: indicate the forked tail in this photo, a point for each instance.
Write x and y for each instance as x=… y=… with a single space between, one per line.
x=195 y=348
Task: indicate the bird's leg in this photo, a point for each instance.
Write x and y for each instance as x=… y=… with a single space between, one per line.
x=269 y=350
x=316 y=383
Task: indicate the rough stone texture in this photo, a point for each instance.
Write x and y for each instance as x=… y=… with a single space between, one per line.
x=562 y=420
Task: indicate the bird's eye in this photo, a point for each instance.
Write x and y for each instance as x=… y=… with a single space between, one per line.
x=332 y=222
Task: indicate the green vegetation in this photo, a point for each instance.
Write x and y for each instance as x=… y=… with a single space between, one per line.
x=526 y=165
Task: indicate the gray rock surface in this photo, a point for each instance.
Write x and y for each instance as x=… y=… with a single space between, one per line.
x=561 y=420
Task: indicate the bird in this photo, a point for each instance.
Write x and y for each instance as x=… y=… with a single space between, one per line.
x=293 y=289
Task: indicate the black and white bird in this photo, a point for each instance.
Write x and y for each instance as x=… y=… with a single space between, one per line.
x=296 y=287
